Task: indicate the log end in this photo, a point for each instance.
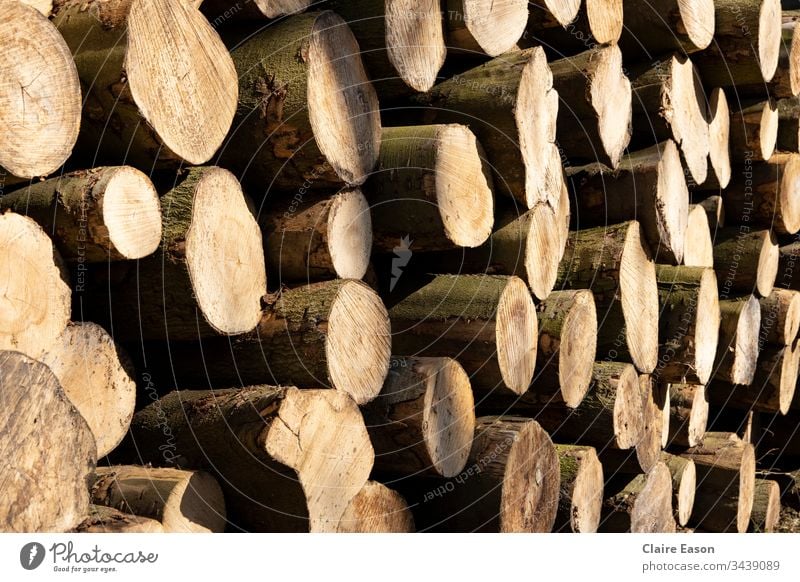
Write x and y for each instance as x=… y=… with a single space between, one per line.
x=587 y=493
x=415 y=43
x=698 y=248
x=578 y=349
x=697 y=19
x=672 y=202
x=767 y=270
x=628 y=409
x=747 y=485
x=707 y=321
x=605 y=20
x=224 y=254
x=463 y=187
x=195 y=505
x=342 y=104
x=40 y=101
x=544 y=248
x=495 y=27
x=376 y=509
x=350 y=234
x=358 y=346
x=685 y=110
x=769 y=37
x=745 y=347
x=686 y=491
x=789 y=195
x=719 y=128
x=517 y=332
x=611 y=98
x=794 y=61
x=652 y=510
x=766 y=507
x=132 y=214
x=768 y=129
x=195 y=63
x=564 y=11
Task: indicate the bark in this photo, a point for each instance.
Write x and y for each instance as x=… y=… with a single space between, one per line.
x=688 y=414
x=644 y=505
x=788 y=125
x=766 y=506
x=746 y=260
x=220 y=12
x=581 y=493
x=652 y=30
x=785 y=84
x=780 y=317
x=684 y=486
x=738 y=346
x=101 y=519
x=753 y=133
x=376 y=509
x=598 y=22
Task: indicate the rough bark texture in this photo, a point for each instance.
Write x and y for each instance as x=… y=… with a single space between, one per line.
x=101 y=519
x=672 y=25
x=746 y=260
x=766 y=506
x=788 y=125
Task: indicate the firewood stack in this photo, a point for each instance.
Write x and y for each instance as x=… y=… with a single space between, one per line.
x=374 y=267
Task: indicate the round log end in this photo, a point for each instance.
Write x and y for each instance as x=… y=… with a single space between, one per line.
x=688 y=117
x=376 y=509
x=358 y=346
x=517 y=331
x=697 y=18
x=769 y=37
x=794 y=61
x=610 y=94
x=652 y=511
x=768 y=129
x=639 y=291
x=587 y=494
x=605 y=20
x=132 y=214
x=747 y=485
x=706 y=332
x=672 y=198
x=196 y=504
x=578 y=348
x=789 y=195
x=767 y=270
x=188 y=95
x=275 y=8
x=40 y=100
x=529 y=498
x=350 y=234
x=745 y=348
x=415 y=41
x=544 y=247
x=224 y=254
x=698 y=416
x=342 y=104
x=698 y=248
x=463 y=190
x=719 y=128
x=449 y=416
x=686 y=491
x=35 y=304
x=628 y=409
x=790 y=365
x=649 y=445
x=766 y=506
x=564 y=11
x=97 y=379
x=495 y=26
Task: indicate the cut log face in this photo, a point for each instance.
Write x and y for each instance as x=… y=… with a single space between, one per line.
x=182 y=501
x=40 y=100
x=43 y=6
x=423 y=420
x=487 y=323
x=324 y=238
x=101 y=519
x=719 y=136
x=581 y=499
x=688 y=414
x=698 y=248
x=753 y=132
x=689 y=323
x=684 y=485
x=567 y=346
x=654 y=403
x=780 y=317
x=605 y=19
x=644 y=505
x=97 y=377
x=376 y=509
x=95 y=215
x=746 y=260
x=432 y=186
x=489 y=27
x=50 y=450
x=36 y=296
x=737 y=350
x=766 y=506
x=175 y=108
x=252 y=9
x=715 y=212
x=769 y=37
x=551 y=13
x=594 y=118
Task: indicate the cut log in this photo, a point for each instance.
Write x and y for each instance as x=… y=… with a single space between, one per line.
x=773 y=385
x=174 y=109
x=566 y=347
x=780 y=317
x=688 y=414
x=401 y=42
x=376 y=509
x=788 y=140
x=767 y=194
x=738 y=346
x=669 y=103
x=594 y=117
x=785 y=83
x=725 y=481
x=208 y=275
x=614 y=263
x=95 y=215
x=431 y=185
x=688 y=324
x=35 y=303
x=753 y=133
x=511 y=106
x=715 y=211
x=424 y=418
x=49 y=450
x=182 y=501
x=648 y=186
x=219 y=11
x=101 y=519
x=581 y=496
x=487 y=323
x=307 y=110
x=544 y=14
x=698 y=248
x=675 y=25
x=40 y=98
x=719 y=125
x=322 y=237
x=43 y=6
x=746 y=260
x=287 y=459
x=766 y=506
x=746 y=47
x=598 y=22
x=684 y=486
x=789 y=266
x=511 y=485
x=485 y=27
x=97 y=377
x=644 y=505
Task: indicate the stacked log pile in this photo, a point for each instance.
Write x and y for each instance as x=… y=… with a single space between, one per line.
x=364 y=266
